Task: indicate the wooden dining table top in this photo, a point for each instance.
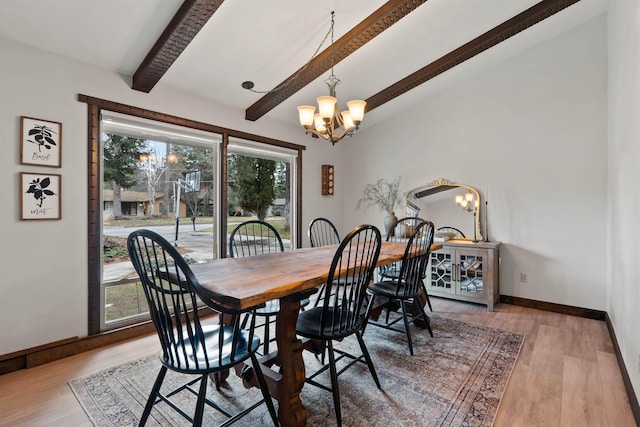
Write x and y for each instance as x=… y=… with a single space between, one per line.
x=242 y=283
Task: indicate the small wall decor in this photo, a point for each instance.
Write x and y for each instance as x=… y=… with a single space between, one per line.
x=39 y=196
x=327 y=180
x=40 y=142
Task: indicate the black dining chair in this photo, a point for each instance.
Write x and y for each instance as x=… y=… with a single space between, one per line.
x=189 y=346
x=409 y=283
x=454 y=232
x=322 y=232
x=341 y=313
x=401 y=232
x=255 y=237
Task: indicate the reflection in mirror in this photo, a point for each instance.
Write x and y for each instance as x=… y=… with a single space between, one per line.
x=447 y=208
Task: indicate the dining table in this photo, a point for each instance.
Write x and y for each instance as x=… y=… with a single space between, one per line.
x=290 y=276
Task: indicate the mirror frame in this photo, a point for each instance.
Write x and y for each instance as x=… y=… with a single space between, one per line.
x=436 y=186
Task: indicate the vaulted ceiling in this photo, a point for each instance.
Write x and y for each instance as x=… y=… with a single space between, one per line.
x=383 y=51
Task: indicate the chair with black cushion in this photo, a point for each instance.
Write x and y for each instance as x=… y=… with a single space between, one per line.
x=322 y=232
x=401 y=232
x=450 y=232
x=342 y=311
x=188 y=345
x=252 y=238
x=409 y=284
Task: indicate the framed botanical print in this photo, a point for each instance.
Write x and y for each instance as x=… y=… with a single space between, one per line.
x=40 y=196
x=40 y=142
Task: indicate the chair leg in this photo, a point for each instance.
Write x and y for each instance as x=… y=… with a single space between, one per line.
x=265 y=391
x=388 y=310
x=202 y=394
x=426 y=294
x=367 y=313
x=216 y=380
x=406 y=325
x=426 y=319
x=152 y=396
x=334 y=383
x=266 y=334
x=367 y=357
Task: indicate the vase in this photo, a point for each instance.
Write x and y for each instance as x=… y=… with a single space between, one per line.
x=389 y=221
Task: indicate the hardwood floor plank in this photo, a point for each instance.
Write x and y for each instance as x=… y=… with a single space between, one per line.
x=582 y=394
x=555 y=381
x=616 y=402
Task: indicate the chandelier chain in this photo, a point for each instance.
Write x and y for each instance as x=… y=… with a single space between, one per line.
x=304 y=67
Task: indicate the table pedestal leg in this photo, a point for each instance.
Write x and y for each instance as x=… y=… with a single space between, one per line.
x=291 y=412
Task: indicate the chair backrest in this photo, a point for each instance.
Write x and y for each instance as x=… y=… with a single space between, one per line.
x=254 y=238
x=403 y=228
x=322 y=232
x=350 y=273
x=173 y=292
x=415 y=260
x=401 y=231
x=448 y=229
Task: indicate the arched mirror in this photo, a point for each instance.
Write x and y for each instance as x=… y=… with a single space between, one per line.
x=458 y=209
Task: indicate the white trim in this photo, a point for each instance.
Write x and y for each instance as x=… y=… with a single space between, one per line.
x=259 y=149
x=126 y=125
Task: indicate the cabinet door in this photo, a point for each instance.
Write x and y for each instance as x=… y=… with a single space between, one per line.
x=471 y=265
x=442 y=271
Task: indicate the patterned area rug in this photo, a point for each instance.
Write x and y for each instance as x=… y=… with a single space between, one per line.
x=456 y=378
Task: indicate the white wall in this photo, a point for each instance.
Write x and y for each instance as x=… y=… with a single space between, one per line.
x=530 y=131
x=43 y=289
x=624 y=180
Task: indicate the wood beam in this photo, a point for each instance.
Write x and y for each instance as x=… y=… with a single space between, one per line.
x=388 y=14
x=187 y=22
x=502 y=32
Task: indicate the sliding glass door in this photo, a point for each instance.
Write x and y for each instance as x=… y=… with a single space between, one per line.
x=260 y=186
x=158 y=177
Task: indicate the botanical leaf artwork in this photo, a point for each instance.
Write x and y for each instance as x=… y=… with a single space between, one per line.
x=40 y=142
x=39 y=190
x=42 y=137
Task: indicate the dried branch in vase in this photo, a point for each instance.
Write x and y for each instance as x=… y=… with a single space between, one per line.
x=383 y=194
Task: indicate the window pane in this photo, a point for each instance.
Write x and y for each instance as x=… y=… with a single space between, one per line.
x=168 y=187
x=260 y=187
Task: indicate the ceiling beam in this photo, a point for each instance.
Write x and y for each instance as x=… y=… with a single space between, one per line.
x=388 y=14
x=187 y=22
x=502 y=32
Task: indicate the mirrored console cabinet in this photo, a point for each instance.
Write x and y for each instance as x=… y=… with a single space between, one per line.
x=465 y=271
x=465 y=268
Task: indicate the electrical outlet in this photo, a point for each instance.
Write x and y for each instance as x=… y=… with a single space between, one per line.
x=523 y=278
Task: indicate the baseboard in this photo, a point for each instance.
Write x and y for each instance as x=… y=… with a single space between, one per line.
x=556 y=308
x=631 y=394
x=40 y=355
x=589 y=314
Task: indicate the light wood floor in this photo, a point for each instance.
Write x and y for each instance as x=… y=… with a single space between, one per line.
x=566 y=374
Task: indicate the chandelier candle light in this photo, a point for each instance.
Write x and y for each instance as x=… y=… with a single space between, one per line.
x=330 y=124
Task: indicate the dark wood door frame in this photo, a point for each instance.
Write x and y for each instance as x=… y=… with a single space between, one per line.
x=94 y=206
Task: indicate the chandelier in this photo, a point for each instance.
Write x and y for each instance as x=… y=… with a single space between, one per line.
x=329 y=123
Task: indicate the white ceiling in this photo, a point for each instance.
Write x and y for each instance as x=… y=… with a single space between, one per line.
x=266 y=41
